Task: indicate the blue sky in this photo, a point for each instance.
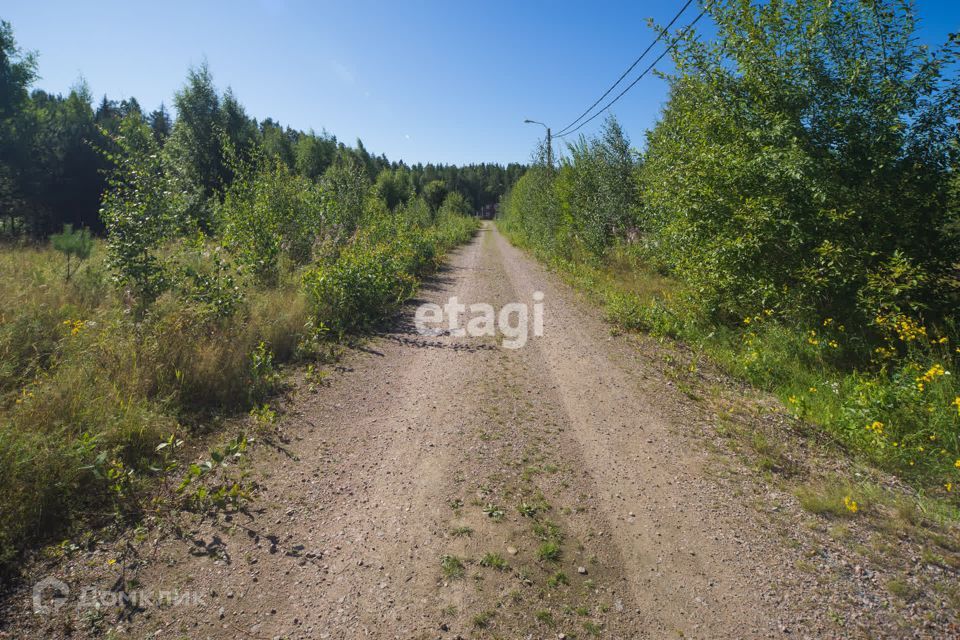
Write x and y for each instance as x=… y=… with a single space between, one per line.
x=442 y=81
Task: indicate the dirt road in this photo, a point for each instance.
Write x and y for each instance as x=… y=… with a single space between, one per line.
x=445 y=487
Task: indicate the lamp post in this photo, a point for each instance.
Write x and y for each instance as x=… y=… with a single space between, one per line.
x=549 y=142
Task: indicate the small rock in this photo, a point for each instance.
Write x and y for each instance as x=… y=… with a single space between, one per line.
x=582 y=571
x=512 y=551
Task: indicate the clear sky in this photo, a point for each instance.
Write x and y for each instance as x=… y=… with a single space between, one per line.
x=446 y=81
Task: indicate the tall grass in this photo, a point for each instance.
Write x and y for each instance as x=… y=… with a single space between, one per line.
x=88 y=387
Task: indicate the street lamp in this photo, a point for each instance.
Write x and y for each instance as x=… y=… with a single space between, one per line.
x=549 y=143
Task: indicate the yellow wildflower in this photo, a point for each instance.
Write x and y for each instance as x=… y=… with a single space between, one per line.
x=850 y=504
x=74 y=325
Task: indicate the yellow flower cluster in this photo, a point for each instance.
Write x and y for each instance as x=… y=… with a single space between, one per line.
x=884 y=352
x=876 y=427
x=75 y=326
x=851 y=504
x=956 y=403
x=758 y=317
x=932 y=374
x=907 y=330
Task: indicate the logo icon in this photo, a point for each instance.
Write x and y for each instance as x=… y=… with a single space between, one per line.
x=58 y=596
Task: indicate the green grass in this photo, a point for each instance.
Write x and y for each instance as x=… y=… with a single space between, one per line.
x=483 y=619
x=545 y=617
x=558 y=579
x=831 y=498
x=494 y=561
x=452 y=567
x=549 y=552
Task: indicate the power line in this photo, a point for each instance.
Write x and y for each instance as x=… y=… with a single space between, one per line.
x=629 y=69
x=638 y=78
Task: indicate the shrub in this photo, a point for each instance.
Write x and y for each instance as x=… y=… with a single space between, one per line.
x=267 y=213
x=73 y=245
x=804 y=160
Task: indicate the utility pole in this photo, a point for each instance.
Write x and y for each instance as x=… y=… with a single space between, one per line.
x=549 y=142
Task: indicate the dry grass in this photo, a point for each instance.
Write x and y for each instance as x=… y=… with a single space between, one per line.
x=82 y=384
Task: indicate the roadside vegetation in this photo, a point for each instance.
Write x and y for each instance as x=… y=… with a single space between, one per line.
x=227 y=249
x=795 y=214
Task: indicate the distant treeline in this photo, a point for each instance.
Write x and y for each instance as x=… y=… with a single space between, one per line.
x=54 y=149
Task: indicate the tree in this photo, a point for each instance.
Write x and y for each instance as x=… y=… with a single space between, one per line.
x=141 y=211
x=160 y=123
x=73 y=245
x=314 y=154
x=18 y=70
x=194 y=148
x=269 y=212
x=435 y=192
x=804 y=154
x=278 y=142
x=395 y=187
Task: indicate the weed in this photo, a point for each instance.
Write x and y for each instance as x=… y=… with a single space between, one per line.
x=452 y=567
x=549 y=552
x=494 y=512
x=545 y=617
x=558 y=579
x=482 y=620
x=494 y=561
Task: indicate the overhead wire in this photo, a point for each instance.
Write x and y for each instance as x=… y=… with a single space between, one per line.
x=660 y=35
x=637 y=79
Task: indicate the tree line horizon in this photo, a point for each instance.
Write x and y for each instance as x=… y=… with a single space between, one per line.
x=54 y=156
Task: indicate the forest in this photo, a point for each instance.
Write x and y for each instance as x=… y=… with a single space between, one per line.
x=160 y=267
x=794 y=215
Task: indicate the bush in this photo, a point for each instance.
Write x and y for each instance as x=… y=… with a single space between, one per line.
x=803 y=162
x=269 y=213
